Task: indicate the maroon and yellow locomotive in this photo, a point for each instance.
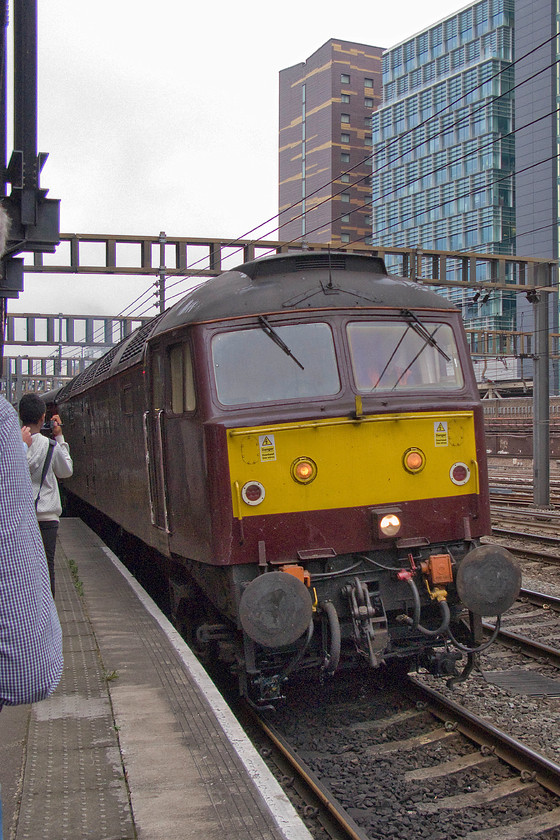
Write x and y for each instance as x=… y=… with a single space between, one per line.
x=301 y=439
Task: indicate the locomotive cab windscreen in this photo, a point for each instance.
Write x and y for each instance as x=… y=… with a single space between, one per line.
x=287 y=362
x=389 y=356
x=299 y=361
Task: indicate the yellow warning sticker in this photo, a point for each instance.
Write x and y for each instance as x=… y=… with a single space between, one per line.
x=440 y=433
x=267 y=447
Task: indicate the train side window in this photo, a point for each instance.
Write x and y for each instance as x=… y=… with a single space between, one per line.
x=183 y=397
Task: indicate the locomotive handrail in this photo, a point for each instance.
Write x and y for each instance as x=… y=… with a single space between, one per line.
x=354 y=421
x=474 y=463
x=147 y=461
x=158 y=412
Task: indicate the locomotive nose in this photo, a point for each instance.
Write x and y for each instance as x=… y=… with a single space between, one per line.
x=488 y=580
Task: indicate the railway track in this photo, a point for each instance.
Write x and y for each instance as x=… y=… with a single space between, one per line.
x=396 y=763
x=523 y=545
x=535 y=613
x=516 y=490
x=527 y=520
x=527 y=533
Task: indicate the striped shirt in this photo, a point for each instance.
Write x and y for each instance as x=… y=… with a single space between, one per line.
x=30 y=634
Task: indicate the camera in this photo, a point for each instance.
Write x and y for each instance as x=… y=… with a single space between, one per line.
x=48 y=426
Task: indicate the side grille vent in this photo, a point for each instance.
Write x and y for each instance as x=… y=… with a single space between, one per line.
x=80 y=380
x=321 y=262
x=105 y=361
x=138 y=340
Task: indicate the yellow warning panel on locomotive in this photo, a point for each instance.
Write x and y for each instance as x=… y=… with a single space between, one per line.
x=351 y=462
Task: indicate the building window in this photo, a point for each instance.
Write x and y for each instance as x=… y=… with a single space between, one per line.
x=345 y=237
x=345 y=178
x=368 y=102
x=344 y=79
x=344 y=157
x=344 y=138
x=344 y=97
x=368 y=83
x=345 y=197
x=368 y=140
x=345 y=118
x=345 y=219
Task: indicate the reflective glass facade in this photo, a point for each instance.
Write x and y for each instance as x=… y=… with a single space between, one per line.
x=443 y=148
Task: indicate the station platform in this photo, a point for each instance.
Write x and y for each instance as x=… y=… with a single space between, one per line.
x=136 y=743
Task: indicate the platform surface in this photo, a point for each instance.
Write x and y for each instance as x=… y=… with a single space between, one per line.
x=136 y=742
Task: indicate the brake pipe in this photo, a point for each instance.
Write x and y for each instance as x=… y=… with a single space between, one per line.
x=332 y=658
x=415 y=620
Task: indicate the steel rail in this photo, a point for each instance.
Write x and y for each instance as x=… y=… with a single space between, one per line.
x=529 y=646
x=553 y=559
x=321 y=796
x=544 y=538
x=540 y=599
x=538 y=554
x=513 y=752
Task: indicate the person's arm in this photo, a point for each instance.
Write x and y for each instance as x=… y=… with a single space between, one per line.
x=30 y=634
x=62 y=462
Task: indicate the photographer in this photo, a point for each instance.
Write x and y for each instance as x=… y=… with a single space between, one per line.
x=48 y=460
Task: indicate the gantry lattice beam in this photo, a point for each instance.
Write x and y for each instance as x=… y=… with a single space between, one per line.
x=80 y=253
x=68 y=330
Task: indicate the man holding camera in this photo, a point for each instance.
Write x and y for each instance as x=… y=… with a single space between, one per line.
x=48 y=459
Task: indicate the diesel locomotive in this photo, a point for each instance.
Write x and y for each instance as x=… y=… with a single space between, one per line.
x=301 y=441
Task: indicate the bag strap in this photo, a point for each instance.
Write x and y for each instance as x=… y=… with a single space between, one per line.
x=46 y=465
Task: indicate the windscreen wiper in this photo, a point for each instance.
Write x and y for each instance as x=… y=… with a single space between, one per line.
x=423 y=332
x=271 y=333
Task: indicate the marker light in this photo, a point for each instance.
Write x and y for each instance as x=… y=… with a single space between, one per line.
x=252 y=493
x=414 y=460
x=459 y=473
x=390 y=524
x=303 y=470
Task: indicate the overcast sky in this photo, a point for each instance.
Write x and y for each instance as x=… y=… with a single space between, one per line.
x=164 y=116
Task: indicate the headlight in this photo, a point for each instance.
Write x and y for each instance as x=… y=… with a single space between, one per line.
x=390 y=524
x=303 y=470
x=414 y=460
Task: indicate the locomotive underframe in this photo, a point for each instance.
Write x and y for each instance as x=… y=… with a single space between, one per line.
x=373 y=609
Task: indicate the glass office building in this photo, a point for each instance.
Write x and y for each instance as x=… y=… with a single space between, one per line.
x=444 y=149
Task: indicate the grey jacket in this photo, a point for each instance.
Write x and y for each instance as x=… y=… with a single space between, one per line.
x=49 y=507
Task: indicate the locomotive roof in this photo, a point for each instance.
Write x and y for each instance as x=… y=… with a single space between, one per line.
x=294 y=281
x=306 y=279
